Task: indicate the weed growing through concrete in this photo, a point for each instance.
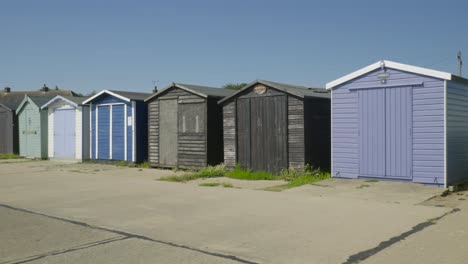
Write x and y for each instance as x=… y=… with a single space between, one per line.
x=209 y=184
x=292 y=176
x=228 y=185
x=362 y=186
x=371 y=180
x=296 y=179
x=181 y=178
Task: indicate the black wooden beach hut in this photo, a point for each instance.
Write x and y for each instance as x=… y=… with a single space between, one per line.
x=271 y=126
x=185 y=126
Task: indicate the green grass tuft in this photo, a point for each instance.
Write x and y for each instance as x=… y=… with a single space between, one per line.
x=371 y=180
x=9 y=156
x=296 y=179
x=362 y=186
x=143 y=165
x=121 y=163
x=209 y=184
x=180 y=178
x=242 y=174
x=228 y=185
x=211 y=172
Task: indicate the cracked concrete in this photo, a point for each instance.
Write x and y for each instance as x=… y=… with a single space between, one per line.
x=183 y=223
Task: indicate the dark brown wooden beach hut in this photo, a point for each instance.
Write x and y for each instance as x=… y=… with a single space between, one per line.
x=185 y=126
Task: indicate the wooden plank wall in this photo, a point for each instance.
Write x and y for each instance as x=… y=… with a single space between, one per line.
x=191 y=148
x=229 y=126
x=296 y=142
x=153 y=133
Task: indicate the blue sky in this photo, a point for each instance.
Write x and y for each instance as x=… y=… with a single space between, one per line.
x=94 y=45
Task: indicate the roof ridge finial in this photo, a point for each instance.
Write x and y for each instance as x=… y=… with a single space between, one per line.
x=382 y=65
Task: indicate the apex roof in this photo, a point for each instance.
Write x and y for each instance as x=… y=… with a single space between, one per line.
x=396 y=66
x=296 y=90
x=203 y=91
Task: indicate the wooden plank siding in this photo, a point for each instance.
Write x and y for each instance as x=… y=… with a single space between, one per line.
x=427 y=124
x=191 y=147
x=153 y=133
x=229 y=135
x=296 y=141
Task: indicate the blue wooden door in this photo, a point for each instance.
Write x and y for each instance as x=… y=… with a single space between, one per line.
x=385 y=129
x=64 y=133
x=118 y=132
x=103 y=132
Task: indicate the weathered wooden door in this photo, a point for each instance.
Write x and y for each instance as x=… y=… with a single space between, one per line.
x=64 y=133
x=6 y=131
x=262 y=133
x=385 y=133
x=243 y=132
x=168 y=132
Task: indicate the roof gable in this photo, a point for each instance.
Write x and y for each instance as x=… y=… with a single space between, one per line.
x=74 y=101
x=122 y=95
x=202 y=91
x=396 y=66
x=295 y=90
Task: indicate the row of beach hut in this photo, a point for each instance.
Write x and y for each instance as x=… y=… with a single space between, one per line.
x=385 y=121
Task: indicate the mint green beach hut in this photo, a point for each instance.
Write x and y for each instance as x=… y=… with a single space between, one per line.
x=32 y=125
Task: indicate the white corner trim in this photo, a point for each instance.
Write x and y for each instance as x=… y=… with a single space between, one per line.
x=331 y=131
x=110 y=132
x=125 y=132
x=445 y=134
x=97 y=130
x=391 y=65
x=107 y=92
x=133 y=131
x=90 y=131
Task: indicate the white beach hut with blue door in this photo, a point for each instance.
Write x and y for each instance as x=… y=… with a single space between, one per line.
x=119 y=126
x=400 y=122
x=68 y=128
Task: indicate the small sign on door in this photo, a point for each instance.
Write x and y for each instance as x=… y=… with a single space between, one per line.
x=129 y=121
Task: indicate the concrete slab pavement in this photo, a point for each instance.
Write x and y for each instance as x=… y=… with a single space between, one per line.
x=257 y=226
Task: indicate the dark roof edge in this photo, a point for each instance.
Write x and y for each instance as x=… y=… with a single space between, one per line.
x=459 y=79
x=174 y=85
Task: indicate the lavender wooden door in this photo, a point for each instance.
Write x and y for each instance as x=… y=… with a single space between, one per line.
x=64 y=133
x=385 y=129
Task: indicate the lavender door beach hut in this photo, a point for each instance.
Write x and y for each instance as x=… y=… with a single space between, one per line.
x=400 y=122
x=68 y=128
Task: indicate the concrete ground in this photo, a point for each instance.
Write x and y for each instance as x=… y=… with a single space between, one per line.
x=52 y=212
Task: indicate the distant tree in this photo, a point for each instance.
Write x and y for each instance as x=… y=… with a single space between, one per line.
x=91 y=93
x=234 y=86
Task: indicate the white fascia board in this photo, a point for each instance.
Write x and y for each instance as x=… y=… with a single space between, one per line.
x=391 y=65
x=107 y=92
x=59 y=97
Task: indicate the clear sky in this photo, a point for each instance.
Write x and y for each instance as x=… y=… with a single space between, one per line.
x=126 y=45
